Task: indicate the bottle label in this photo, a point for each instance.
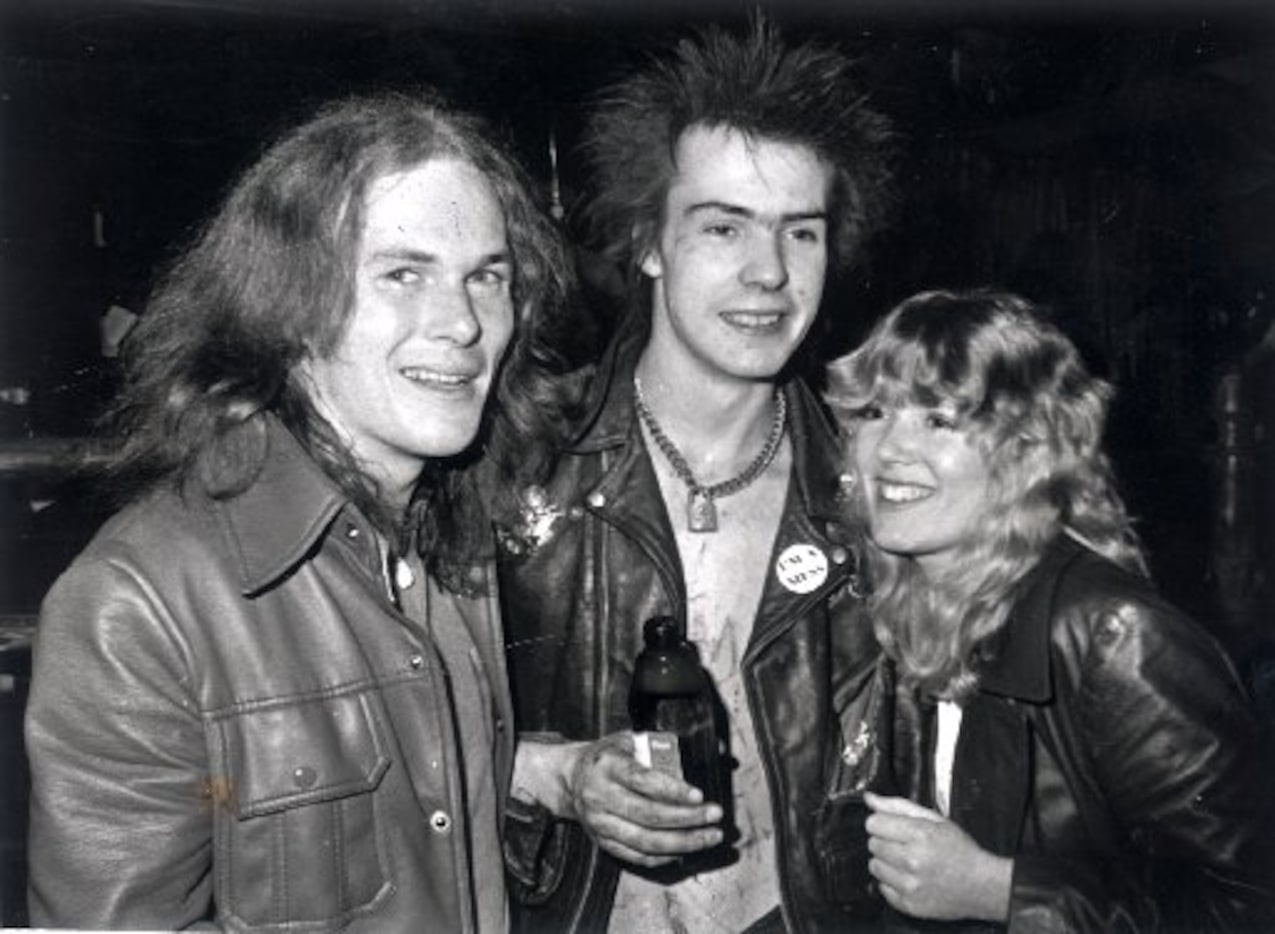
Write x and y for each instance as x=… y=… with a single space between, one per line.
x=658 y=751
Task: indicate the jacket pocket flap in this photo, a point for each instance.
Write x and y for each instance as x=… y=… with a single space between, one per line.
x=301 y=752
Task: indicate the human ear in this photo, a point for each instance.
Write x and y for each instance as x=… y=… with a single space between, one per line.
x=647 y=248
x=651 y=264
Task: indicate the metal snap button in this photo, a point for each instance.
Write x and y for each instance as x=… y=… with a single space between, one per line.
x=352 y=531
x=440 y=822
x=417 y=662
x=304 y=776
x=839 y=555
x=596 y=499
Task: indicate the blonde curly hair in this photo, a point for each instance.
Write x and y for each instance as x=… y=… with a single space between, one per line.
x=1036 y=413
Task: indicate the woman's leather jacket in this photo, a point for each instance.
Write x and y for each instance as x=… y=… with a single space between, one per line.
x=1112 y=752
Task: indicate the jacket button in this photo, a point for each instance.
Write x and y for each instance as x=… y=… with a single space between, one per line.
x=417 y=662
x=351 y=531
x=304 y=777
x=440 y=822
x=403 y=576
x=596 y=499
x=839 y=555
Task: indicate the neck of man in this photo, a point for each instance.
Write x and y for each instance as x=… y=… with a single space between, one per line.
x=718 y=424
x=393 y=489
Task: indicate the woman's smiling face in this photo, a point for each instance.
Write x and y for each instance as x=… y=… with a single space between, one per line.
x=926 y=483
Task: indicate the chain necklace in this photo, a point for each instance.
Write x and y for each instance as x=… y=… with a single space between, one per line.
x=701 y=512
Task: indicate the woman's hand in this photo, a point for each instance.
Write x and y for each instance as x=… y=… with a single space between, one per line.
x=928 y=867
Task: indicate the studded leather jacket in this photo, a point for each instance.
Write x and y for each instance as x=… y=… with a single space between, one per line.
x=231 y=724
x=594 y=558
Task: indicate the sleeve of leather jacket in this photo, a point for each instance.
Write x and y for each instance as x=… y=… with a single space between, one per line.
x=121 y=820
x=534 y=839
x=1177 y=757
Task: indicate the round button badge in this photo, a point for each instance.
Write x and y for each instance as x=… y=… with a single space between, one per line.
x=802 y=568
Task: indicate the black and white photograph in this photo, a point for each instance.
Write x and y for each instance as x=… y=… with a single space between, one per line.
x=653 y=466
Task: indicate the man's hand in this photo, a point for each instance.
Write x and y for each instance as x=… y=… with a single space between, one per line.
x=636 y=814
x=930 y=868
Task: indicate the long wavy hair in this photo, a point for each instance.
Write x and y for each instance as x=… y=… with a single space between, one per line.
x=1036 y=414
x=758 y=84
x=268 y=282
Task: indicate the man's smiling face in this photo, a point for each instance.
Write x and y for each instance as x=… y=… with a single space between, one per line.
x=433 y=314
x=739 y=261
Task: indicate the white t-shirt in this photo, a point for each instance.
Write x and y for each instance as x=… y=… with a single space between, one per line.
x=947 y=731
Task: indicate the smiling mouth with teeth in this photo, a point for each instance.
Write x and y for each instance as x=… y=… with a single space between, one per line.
x=436 y=379
x=902 y=492
x=754 y=319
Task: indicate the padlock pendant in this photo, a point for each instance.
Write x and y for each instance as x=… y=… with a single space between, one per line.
x=701 y=512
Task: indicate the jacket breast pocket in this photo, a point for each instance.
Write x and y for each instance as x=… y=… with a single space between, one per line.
x=298 y=834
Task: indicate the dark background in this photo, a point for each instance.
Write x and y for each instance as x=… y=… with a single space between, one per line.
x=1116 y=161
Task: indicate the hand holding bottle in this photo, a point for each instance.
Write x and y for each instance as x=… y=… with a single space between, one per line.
x=638 y=814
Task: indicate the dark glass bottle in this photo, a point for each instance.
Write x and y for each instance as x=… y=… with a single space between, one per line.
x=672 y=693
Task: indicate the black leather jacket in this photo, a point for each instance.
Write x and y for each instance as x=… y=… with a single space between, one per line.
x=1112 y=753
x=598 y=558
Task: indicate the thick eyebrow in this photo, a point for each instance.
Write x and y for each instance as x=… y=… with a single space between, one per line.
x=424 y=258
x=739 y=211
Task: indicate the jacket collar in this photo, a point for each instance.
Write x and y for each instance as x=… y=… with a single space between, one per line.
x=275 y=523
x=818 y=456
x=1021 y=667
x=610 y=404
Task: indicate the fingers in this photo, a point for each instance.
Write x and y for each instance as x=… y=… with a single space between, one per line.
x=628 y=855
x=897 y=880
x=900 y=820
x=603 y=799
x=646 y=847
x=638 y=814
x=891 y=895
x=653 y=783
x=903 y=884
x=891 y=853
x=901 y=807
x=608 y=780
x=897 y=829
x=649 y=833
